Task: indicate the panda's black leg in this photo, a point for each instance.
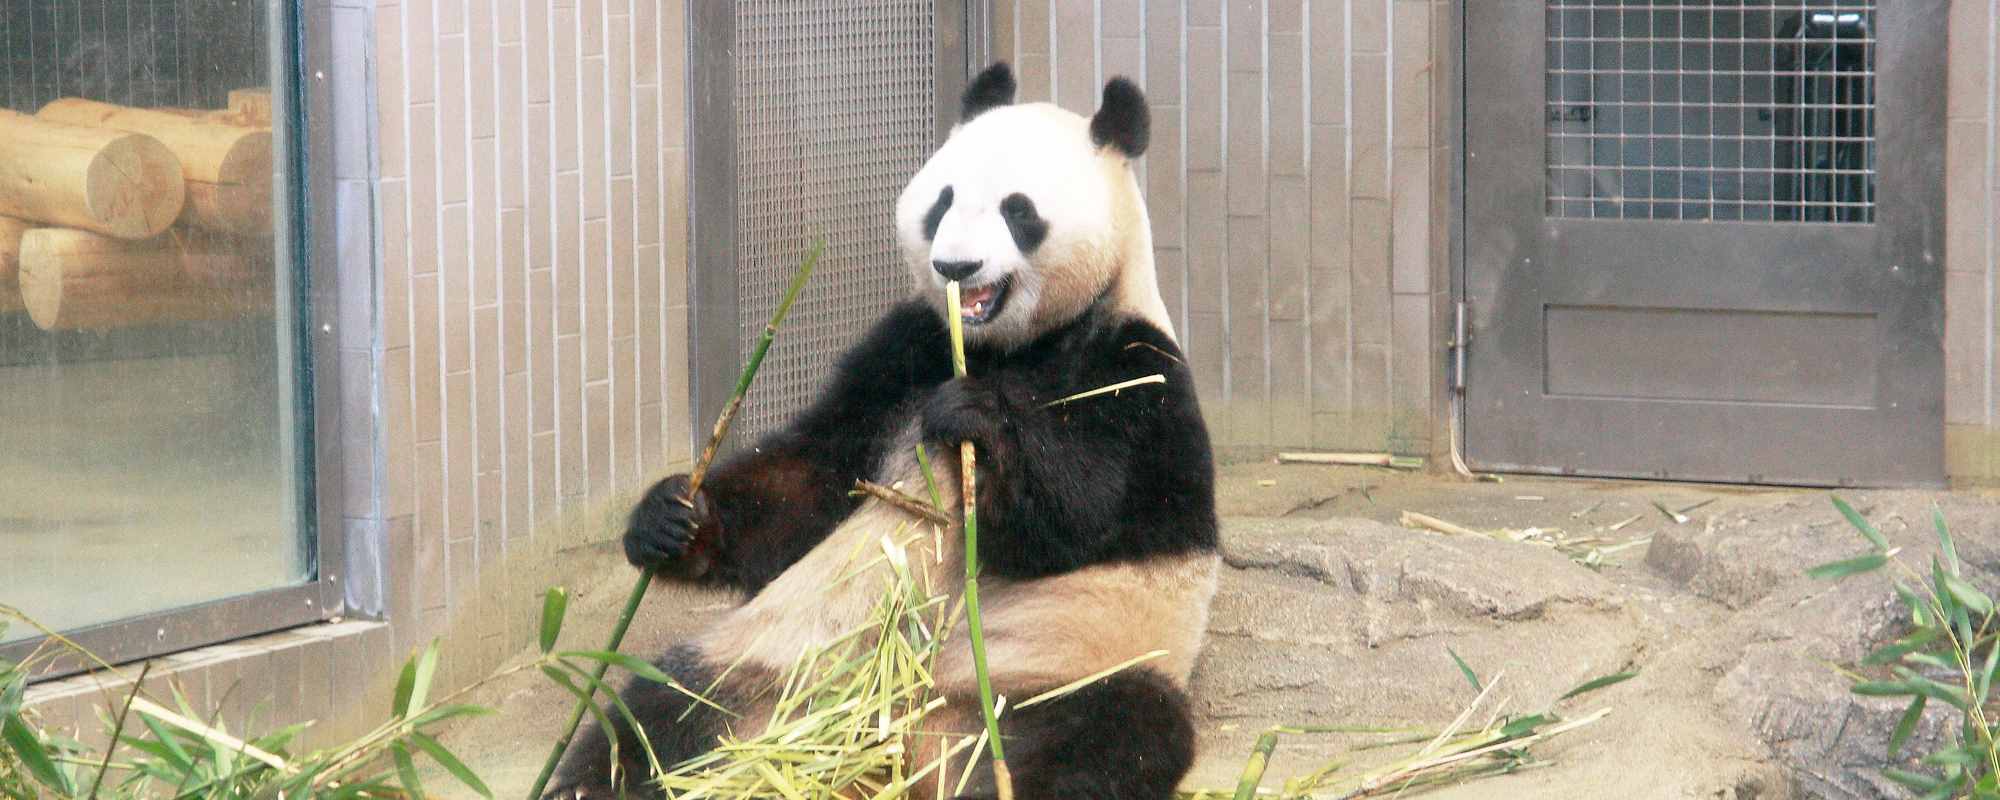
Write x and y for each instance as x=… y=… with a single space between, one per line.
x=1128 y=737
x=678 y=727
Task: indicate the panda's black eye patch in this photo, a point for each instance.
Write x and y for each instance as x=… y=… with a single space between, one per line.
x=936 y=215
x=1023 y=223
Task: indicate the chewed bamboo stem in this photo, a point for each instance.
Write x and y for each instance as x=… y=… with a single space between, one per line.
x=645 y=581
x=1002 y=779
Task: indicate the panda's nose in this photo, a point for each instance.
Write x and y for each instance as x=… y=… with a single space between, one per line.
x=955 y=270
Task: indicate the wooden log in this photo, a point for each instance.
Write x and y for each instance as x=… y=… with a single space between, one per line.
x=251 y=107
x=72 y=279
x=227 y=167
x=10 y=263
x=114 y=182
x=221 y=260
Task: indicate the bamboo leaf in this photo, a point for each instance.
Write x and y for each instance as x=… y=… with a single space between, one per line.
x=1855 y=519
x=171 y=742
x=1853 y=566
x=1986 y=671
x=554 y=604
x=33 y=755
x=406 y=770
x=426 y=668
x=1907 y=725
x=1465 y=670
x=1914 y=780
x=1882 y=689
x=633 y=664
x=1598 y=683
x=451 y=764
x=1968 y=595
x=406 y=683
x=1937 y=691
x=1944 y=538
x=1956 y=756
x=1909 y=644
x=11 y=692
x=1522 y=726
x=443 y=713
x=603 y=722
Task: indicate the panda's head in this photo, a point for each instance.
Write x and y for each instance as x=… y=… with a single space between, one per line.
x=1034 y=210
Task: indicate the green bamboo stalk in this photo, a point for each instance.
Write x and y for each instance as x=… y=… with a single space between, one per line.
x=1002 y=779
x=638 y=593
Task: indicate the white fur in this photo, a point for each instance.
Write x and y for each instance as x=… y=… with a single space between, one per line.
x=1099 y=236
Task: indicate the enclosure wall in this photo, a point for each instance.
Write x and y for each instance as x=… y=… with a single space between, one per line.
x=1972 y=246
x=1298 y=184
x=534 y=314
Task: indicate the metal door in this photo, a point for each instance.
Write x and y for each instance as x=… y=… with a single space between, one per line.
x=1704 y=239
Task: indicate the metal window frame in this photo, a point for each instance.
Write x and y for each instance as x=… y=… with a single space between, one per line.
x=302 y=116
x=713 y=318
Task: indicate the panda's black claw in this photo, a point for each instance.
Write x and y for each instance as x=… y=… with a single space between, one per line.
x=965 y=410
x=665 y=523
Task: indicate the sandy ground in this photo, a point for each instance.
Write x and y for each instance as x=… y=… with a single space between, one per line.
x=1330 y=612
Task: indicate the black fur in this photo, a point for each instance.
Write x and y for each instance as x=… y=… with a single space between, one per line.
x=1024 y=223
x=935 y=216
x=993 y=87
x=1122 y=120
x=776 y=500
x=1127 y=736
x=1124 y=477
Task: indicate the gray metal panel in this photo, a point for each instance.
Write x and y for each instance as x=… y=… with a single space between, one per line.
x=833 y=105
x=1530 y=250
x=713 y=314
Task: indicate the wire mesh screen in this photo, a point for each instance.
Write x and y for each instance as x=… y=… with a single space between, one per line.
x=1724 y=110
x=834 y=112
x=148 y=53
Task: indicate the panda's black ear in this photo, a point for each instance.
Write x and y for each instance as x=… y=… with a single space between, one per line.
x=1122 y=120
x=994 y=87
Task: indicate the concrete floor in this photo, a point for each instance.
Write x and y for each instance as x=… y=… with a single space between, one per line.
x=1329 y=612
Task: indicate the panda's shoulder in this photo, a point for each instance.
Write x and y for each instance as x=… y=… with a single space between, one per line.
x=1133 y=341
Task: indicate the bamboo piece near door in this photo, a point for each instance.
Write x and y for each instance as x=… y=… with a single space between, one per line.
x=73 y=279
x=114 y=182
x=227 y=167
x=10 y=263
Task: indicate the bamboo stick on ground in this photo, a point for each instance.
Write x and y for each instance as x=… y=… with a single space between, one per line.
x=638 y=593
x=113 y=182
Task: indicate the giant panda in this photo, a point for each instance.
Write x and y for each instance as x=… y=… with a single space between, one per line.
x=1097 y=517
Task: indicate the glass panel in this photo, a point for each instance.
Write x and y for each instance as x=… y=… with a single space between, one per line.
x=1712 y=110
x=149 y=455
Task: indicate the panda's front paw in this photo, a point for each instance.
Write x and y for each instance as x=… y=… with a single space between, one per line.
x=966 y=410
x=668 y=525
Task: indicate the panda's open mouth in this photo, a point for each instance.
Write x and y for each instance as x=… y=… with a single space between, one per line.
x=980 y=304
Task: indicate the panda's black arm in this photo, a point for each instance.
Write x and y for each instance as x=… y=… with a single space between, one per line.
x=1110 y=477
x=783 y=495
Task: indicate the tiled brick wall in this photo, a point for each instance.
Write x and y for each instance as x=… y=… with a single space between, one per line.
x=1972 y=245
x=1298 y=190
x=532 y=203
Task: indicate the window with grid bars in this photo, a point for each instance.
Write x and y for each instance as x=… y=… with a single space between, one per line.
x=1711 y=110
